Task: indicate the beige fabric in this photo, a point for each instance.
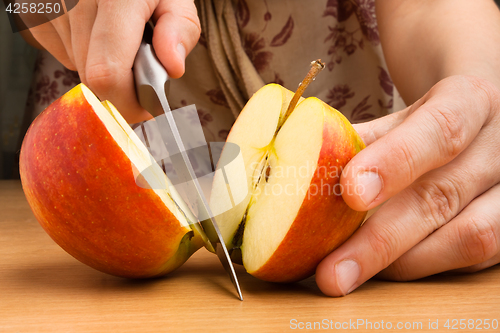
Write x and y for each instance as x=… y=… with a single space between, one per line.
x=248 y=43
x=235 y=72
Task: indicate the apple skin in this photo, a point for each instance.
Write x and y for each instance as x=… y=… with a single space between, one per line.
x=323 y=221
x=271 y=244
x=82 y=190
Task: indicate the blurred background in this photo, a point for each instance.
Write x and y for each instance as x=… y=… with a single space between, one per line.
x=17 y=61
x=17 y=70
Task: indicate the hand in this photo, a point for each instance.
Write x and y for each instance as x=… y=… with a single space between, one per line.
x=100 y=38
x=437 y=165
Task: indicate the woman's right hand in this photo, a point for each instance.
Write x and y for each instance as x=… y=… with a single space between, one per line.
x=100 y=38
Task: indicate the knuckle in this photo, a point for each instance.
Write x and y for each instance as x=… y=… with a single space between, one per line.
x=438 y=201
x=483 y=88
x=406 y=158
x=101 y=76
x=67 y=62
x=398 y=271
x=474 y=268
x=187 y=12
x=384 y=243
x=490 y=95
x=191 y=16
x=479 y=240
x=451 y=126
x=149 y=6
x=486 y=94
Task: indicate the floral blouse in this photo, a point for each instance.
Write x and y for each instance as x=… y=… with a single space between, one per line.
x=279 y=38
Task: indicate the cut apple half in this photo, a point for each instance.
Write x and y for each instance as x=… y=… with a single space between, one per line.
x=148 y=173
x=80 y=164
x=294 y=214
x=145 y=169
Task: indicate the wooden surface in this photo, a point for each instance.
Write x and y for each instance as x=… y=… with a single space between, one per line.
x=43 y=289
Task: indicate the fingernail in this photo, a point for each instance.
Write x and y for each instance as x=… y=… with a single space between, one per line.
x=347 y=273
x=368 y=186
x=181 y=50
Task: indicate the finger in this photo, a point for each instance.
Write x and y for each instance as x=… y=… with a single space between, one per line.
x=408 y=218
x=82 y=19
x=115 y=39
x=63 y=28
x=431 y=136
x=373 y=130
x=479 y=267
x=48 y=37
x=469 y=242
x=176 y=33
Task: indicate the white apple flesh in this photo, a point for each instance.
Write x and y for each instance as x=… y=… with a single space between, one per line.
x=80 y=167
x=294 y=214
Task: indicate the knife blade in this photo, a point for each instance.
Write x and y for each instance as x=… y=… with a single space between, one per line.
x=151 y=80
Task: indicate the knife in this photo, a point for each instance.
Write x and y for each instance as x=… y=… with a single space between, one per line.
x=152 y=81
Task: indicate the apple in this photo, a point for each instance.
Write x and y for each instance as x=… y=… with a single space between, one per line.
x=294 y=214
x=79 y=164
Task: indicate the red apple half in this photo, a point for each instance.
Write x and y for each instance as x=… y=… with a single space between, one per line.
x=294 y=214
x=79 y=164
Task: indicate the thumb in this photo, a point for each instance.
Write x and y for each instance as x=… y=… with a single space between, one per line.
x=369 y=132
x=177 y=30
x=360 y=178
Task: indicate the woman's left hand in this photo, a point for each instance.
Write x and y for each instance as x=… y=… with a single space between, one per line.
x=437 y=164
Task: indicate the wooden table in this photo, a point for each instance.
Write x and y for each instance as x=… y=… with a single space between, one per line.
x=43 y=289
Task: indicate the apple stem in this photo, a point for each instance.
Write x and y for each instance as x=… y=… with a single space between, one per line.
x=316 y=67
